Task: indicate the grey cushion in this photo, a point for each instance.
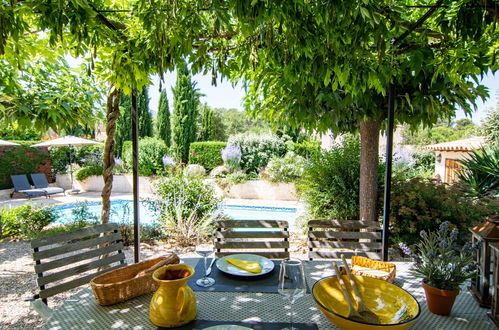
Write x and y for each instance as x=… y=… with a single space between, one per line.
x=52 y=190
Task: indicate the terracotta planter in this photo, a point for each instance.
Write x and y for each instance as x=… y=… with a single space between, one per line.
x=439 y=301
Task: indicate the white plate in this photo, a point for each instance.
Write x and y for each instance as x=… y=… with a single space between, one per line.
x=226 y=267
x=227 y=327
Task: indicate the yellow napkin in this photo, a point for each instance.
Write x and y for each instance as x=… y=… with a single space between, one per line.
x=250 y=266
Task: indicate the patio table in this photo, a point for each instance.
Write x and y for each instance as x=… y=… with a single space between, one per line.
x=269 y=309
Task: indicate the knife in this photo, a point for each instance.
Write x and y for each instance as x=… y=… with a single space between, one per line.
x=208 y=270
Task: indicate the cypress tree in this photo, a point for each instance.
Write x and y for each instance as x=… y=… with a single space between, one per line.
x=185 y=113
x=207 y=130
x=123 y=124
x=145 y=117
x=163 y=125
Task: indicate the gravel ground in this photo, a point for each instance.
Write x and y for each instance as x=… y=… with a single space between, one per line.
x=18 y=280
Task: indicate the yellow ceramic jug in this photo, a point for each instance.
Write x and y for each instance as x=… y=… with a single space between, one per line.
x=174 y=303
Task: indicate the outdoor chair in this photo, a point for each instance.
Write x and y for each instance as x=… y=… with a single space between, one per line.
x=40 y=182
x=65 y=261
x=268 y=238
x=329 y=239
x=22 y=186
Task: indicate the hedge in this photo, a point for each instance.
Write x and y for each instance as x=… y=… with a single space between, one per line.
x=207 y=154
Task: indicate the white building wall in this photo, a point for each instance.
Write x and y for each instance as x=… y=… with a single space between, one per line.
x=440 y=165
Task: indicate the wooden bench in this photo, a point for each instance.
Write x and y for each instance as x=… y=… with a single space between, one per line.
x=329 y=239
x=64 y=261
x=233 y=236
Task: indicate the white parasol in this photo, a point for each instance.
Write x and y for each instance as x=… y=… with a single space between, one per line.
x=8 y=143
x=67 y=141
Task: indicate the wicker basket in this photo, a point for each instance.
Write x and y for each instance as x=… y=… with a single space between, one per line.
x=122 y=284
x=372 y=268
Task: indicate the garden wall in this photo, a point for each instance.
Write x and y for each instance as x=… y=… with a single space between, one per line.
x=121 y=183
x=261 y=189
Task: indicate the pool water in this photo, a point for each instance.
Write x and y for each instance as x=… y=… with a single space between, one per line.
x=122 y=212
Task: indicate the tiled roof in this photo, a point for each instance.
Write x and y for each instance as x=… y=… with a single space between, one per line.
x=469 y=144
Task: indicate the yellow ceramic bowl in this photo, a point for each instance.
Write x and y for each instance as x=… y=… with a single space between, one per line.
x=396 y=308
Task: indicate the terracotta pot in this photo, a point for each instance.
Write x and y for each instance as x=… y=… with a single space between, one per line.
x=439 y=301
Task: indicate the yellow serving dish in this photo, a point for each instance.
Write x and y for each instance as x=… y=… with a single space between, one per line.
x=396 y=308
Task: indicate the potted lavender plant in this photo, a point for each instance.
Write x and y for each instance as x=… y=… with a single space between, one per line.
x=443 y=265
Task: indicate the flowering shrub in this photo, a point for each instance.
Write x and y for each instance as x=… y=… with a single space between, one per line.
x=286 y=169
x=257 y=150
x=419 y=204
x=440 y=261
x=231 y=156
x=151 y=152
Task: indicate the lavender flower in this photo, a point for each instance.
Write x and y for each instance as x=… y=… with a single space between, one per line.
x=453 y=234
x=405 y=249
x=423 y=234
x=118 y=161
x=403 y=157
x=444 y=244
x=467 y=247
x=444 y=227
x=431 y=254
x=231 y=155
x=168 y=160
x=469 y=268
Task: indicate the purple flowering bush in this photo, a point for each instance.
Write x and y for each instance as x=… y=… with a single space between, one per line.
x=440 y=261
x=231 y=156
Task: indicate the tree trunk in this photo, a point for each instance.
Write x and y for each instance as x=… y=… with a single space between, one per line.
x=369 y=145
x=113 y=112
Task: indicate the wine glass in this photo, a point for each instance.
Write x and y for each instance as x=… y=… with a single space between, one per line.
x=291 y=283
x=205 y=250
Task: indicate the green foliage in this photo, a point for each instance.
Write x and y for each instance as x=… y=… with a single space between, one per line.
x=306 y=149
x=15 y=133
x=151 y=152
x=48 y=94
x=83 y=156
x=207 y=154
x=330 y=184
x=418 y=163
x=163 y=122
x=87 y=171
x=481 y=171
x=440 y=261
x=19 y=160
x=187 y=207
x=421 y=137
x=82 y=215
x=26 y=220
x=257 y=150
x=289 y=168
x=420 y=204
x=143 y=113
x=211 y=128
x=185 y=113
x=234 y=122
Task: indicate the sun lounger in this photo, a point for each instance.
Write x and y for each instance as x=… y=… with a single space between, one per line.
x=22 y=186
x=40 y=182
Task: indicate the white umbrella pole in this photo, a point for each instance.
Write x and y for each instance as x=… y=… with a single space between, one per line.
x=71 y=166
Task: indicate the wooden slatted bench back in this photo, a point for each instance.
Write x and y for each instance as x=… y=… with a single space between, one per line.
x=250 y=236
x=64 y=261
x=329 y=239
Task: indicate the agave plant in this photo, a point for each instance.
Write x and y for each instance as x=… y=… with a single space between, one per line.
x=481 y=171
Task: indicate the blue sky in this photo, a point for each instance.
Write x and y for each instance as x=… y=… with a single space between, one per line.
x=224 y=95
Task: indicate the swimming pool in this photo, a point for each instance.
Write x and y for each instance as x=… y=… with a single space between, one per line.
x=122 y=212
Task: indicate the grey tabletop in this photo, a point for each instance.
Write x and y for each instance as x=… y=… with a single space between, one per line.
x=83 y=312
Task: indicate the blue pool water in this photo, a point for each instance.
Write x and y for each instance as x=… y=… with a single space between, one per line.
x=122 y=212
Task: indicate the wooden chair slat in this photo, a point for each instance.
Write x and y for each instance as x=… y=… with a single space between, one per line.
x=269 y=254
x=347 y=254
x=45 y=293
x=344 y=245
x=252 y=234
x=46 y=279
x=343 y=235
x=74 y=234
x=78 y=245
x=77 y=257
x=252 y=245
x=343 y=224
x=251 y=224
